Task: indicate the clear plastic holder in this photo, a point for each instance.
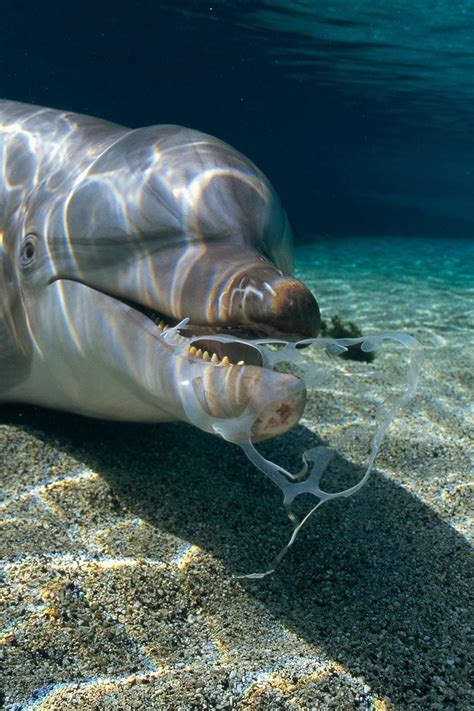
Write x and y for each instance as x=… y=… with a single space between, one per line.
x=273 y=353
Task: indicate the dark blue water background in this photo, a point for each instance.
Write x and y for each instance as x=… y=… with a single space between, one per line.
x=361 y=113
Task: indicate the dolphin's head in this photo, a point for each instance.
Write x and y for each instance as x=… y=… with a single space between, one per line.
x=181 y=223
x=165 y=224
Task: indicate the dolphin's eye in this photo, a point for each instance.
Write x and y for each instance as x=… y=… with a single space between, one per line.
x=28 y=250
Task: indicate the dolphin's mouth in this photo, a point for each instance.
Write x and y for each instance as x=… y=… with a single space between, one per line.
x=200 y=344
x=218 y=352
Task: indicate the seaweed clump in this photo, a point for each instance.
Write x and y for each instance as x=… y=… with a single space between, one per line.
x=346 y=329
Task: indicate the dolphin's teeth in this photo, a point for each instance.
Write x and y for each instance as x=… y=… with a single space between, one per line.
x=165 y=327
x=207 y=358
x=161 y=324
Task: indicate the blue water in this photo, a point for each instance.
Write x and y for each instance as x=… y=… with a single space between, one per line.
x=360 y=112
x=408 y=54
x=423 y=286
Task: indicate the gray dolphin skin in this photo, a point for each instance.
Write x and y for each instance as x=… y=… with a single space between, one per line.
x=110 y=237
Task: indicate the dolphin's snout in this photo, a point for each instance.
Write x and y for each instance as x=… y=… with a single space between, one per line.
x=268 y=301
x=293 y=309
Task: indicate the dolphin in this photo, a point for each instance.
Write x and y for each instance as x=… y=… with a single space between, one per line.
x=109 y=238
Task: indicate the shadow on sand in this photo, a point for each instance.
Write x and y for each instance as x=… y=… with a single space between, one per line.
x=378 y=580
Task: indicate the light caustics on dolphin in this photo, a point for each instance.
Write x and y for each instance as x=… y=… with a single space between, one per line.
x=144 y=275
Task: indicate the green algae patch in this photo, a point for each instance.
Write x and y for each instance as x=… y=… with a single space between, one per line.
x=346 y=329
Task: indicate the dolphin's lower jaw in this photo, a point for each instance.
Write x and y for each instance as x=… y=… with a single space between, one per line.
x=99 y=356
x=230 y=392
x=249 y=402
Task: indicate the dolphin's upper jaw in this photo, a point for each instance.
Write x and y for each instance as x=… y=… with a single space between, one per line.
x=228 y=290
x=264 y=303
x=290 y=312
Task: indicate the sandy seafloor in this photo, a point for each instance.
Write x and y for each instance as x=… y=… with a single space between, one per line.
x=119 y=541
